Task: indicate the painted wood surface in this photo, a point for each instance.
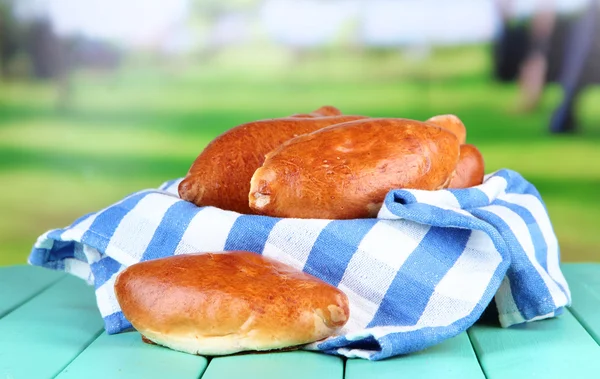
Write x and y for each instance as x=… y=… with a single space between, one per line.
x=125 y=356
x=50 y=327
x=453 y=358
x=40 y=338
x=554 y=348
x=288 y=365
x=20 y=283
x=584 y=282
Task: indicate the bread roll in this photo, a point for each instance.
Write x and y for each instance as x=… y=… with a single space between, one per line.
x=453 y=124
x=344 y=171
x=470 y=168
x=223 y=303
x=220 y=175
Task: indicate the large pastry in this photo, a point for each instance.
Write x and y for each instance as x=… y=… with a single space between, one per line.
x=228 y=302
x=220 y=175
x=344 y=171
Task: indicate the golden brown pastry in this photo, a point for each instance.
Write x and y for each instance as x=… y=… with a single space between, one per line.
x=453 y=124
x=223 y=303
x=220 y=175
x=470 y=168
x=344 y=171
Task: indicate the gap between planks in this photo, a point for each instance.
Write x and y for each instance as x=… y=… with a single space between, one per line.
x=91 y=341
x=31 y=297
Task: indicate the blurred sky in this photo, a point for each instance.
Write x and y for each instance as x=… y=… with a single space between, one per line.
x=383 y=22
x=133 y=20
x=128 y=21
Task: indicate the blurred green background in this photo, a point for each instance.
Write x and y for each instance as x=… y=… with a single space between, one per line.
x=80 y=138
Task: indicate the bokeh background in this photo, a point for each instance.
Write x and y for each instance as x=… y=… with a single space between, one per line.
x=101 y=98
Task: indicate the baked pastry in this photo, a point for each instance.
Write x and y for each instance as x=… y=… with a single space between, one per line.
x=470 y=169
x=453 y=124
x=220 y=175
x=228 y=302
x=344 y=171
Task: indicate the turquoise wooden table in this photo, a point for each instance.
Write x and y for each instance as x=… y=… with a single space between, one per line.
x=50 y=328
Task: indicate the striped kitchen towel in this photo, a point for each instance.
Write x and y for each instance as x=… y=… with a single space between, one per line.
x=421 y=272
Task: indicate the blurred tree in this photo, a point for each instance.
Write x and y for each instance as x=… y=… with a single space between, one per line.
x=9 y=36
x=44 y=48
x=26 y=30
x=206 y=14
x=50 y=58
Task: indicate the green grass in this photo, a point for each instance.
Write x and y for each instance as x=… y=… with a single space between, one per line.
x=145 y=124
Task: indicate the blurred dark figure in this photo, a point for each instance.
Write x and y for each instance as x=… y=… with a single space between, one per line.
x=523 y=45
x=580 y=67
x=549 y=49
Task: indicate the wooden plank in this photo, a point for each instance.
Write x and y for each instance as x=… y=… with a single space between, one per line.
x=289 y=365
x=553 y=348
x=38 y=339
x=584 y=282
x=453 y=358
x=20 y=283
x=125 y=356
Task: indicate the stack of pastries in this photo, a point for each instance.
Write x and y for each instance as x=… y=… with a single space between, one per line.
x=327 y=165
x=322 y=165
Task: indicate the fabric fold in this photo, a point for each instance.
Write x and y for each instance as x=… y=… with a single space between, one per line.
x=421 y=272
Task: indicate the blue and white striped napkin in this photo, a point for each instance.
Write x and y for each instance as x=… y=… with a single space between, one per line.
x=421 y=272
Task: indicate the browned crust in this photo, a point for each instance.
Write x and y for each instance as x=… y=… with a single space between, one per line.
x=470 y=169
x=220 y=175
x=237 y=294
x=344 y=171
